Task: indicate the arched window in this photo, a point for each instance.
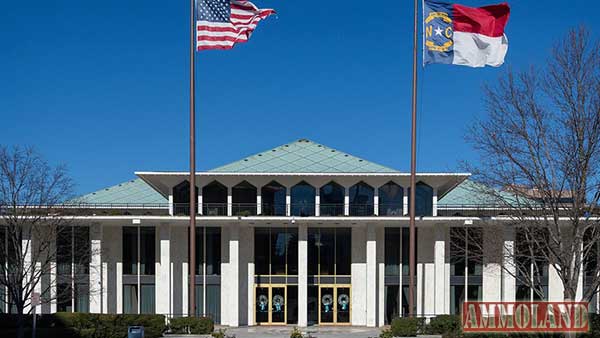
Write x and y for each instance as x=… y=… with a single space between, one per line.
x=181 y=198
x=273 y=199
x=214 y=199
x=424 y=197
x=303 y=199
x=331 y=199
x=244 y=199
x=361 y=200
x=391 y=200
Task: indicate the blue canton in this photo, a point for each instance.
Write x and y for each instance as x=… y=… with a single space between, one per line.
x=438 y=39
x=213 y=10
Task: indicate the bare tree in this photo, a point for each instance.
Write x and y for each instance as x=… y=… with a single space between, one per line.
x=539 y=149
x=31 y=195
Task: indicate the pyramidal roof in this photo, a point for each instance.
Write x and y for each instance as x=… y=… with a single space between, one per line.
x=134 y=191
x=303 y=156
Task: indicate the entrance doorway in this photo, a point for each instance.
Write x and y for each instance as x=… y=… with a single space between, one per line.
x=334 y=305
x=271 y=304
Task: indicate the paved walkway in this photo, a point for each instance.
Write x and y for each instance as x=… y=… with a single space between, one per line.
x=316 y=332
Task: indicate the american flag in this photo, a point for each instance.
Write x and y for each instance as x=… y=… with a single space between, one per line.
x=220 y=24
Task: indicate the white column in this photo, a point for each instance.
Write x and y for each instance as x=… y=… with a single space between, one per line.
x=229 y=202
x=426 y=286
x=381 y=276
x=288 y=202
x=118 y=245
x=96 y=273
x=26 y=244
x=258 y=201
x=435 y=201
x=38 y=288
x=53 y=278
x=171 y=207
x=580 y=285
x=163 y=270
x=199 y=204
x=346 y=201
x=359 y=276
x=250 y=300
x=509 y=286
x=317 y=202
x=371 y=276
x=230 y=297
x=405 y=202
x=556 y=290
x=441 y=297
x=376 y=202
x=492 y=267
x=302 y=275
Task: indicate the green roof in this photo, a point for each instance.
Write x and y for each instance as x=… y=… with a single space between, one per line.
x=473 y=193
x=135 y=191
x=303 y=156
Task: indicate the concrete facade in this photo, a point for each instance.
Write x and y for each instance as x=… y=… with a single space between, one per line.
x=231 y=254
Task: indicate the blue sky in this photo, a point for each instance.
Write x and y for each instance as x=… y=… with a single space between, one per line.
x=102 y=85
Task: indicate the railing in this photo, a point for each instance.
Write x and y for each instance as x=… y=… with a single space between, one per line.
x=265 y=209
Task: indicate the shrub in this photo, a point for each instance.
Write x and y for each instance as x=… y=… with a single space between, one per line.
x=219 y=334
x=296 y=333
x=89 y=325
x=405 y=327
x=192 y=325
x=447 y=325
x=386 y=333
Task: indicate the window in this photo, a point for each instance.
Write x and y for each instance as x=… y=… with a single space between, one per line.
x=73 y=254
x=130 y=299
x=209 y=238
x=244 y=199
x=208 y=269
x=396 y=251
x=531 y=267
x=303 y=199
x=213 y=302
x=130 y=250
x=329 y=251
x=424 y=198
x=147 y=250
x=331 y=200
x=273 y=199
x=392 y=252
x=280 y=256
x=139 y=256
x=181 y=198
x=466 y=266
x=391 y=200
x=214 y=199
x=361 y=200
x=591 y=261
x=147 y=303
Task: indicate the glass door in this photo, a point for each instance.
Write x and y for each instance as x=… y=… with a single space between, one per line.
x=271 y=305
x=334 y=305
x=278 y=305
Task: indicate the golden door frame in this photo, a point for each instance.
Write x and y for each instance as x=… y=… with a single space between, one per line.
x=270 y=287
x=335 y=288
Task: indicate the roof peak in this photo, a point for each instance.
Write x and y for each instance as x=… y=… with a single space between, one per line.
x=303 y=156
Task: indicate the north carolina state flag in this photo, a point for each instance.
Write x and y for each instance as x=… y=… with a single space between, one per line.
x=461 y=35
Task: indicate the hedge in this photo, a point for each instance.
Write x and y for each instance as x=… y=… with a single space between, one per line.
x=405 y=327
x=85 y=325
x=449 y=326
x=191 y=325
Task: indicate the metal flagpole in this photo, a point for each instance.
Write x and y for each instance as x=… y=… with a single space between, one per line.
x=192 y=251
x=413 y=168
